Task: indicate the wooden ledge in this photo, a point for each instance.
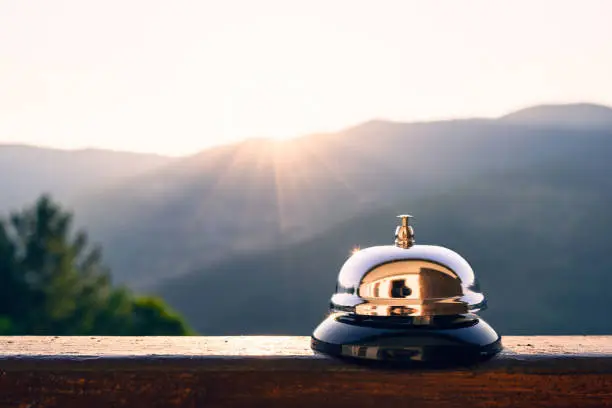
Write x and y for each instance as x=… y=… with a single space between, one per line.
x=567 y=371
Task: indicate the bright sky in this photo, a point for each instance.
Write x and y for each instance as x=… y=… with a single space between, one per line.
x=175 y=77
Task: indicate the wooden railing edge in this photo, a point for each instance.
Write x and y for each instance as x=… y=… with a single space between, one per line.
x=282 y=371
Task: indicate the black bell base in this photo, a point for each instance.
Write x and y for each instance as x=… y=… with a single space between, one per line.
x=458 y=340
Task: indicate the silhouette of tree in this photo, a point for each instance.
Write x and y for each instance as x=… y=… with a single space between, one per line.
x=52 y=282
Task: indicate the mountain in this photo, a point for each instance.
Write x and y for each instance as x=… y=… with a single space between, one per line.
x=537 y=237
x=259 y=228
x=577 y=116
x=26 y=172
x=261 y=194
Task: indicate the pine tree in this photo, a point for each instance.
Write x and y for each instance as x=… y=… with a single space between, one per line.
x=52 y=282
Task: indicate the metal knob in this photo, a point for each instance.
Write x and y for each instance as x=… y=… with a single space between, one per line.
x=404 y=234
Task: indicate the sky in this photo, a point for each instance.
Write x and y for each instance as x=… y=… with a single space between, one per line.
x=176 y=77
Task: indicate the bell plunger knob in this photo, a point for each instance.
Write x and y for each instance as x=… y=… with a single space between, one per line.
x=404 y=234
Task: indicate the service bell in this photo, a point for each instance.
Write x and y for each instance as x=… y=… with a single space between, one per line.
x=407 y=303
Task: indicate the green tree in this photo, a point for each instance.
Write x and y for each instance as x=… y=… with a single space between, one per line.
x=52 y=282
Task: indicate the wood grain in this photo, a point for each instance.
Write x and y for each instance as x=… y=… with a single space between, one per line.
x=92 y=372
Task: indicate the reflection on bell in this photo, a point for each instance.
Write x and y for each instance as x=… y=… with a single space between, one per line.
x=407 y=303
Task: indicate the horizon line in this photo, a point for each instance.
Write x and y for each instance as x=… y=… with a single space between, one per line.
x=87 y=149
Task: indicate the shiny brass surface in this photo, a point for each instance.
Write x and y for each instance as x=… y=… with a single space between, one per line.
x=404 y=234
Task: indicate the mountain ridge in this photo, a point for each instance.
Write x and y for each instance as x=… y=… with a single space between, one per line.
x=28 y=171
x=191 y=211
x=522 y=113
x=84 y=150
x=288 y=190
x=562 y=115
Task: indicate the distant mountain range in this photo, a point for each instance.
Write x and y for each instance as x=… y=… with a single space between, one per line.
x=578 y=116
x=26 y=172
x=249 y=237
